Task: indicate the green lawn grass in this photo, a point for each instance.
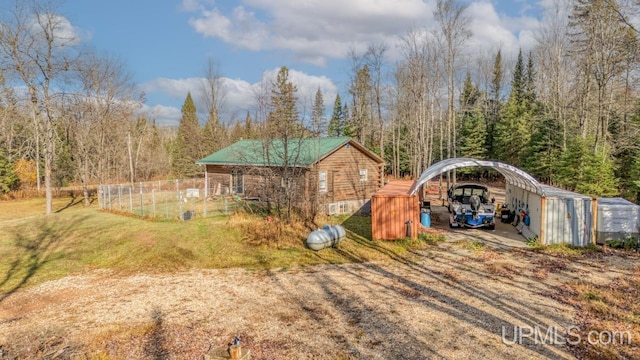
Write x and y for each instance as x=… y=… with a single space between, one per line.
x=75 y=239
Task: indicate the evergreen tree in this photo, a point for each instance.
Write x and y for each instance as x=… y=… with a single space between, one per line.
x=473 y=131
x=512 y=130
x=213 y=135
x=586 y=172
x=337 y=119
x=542 y=153
x=360 y=119
x=494 y=104
x=317 y=115
x=186 y=148
x=283 y=121
x=8 y=178
x=530 y=87
x=249 y=131
x=348 y=129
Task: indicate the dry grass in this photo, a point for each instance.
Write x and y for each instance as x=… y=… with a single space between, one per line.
x=611 y=307
x=502 y=269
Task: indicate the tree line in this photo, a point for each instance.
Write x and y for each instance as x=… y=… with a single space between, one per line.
x=566 y=110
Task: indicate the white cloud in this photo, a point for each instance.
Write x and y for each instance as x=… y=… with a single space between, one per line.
x=239 y=95
x=163 y=115
x=313 y=30
x=317 y=30
x=64 y=33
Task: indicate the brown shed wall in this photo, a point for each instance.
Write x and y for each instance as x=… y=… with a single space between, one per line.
x=391 y=208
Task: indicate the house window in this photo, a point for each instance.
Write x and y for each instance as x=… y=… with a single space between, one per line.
x=322 y=181
x=363 y=175
x=237 y=182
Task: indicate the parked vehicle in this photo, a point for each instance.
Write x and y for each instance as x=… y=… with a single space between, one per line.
x=471 y=206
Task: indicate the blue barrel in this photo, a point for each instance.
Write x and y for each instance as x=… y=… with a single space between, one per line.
x=425 y=219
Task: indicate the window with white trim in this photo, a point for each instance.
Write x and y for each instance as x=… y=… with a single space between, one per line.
x=322 y=181
x=363 y=175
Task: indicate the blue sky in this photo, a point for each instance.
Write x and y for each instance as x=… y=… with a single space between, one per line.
x=166 y=44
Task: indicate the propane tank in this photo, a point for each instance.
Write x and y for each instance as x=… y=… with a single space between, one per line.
x=325 y=237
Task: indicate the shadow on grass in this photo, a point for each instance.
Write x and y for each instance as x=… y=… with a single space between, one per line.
x=358 y=225
x=73 y=201
x=34 y=245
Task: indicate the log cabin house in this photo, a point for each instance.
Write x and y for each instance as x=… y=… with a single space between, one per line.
x=336 y=174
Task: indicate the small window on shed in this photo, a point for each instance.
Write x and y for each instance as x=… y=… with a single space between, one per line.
x=322 y=181
x=363 y=175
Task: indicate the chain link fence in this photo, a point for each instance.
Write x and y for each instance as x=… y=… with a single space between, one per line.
x=166 y=199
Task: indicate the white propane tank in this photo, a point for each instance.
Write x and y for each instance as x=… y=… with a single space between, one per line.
x=325 y=237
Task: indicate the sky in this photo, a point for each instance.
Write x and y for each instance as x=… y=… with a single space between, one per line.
x=166 y=44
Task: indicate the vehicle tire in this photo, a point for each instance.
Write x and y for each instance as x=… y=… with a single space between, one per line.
x=491 y=227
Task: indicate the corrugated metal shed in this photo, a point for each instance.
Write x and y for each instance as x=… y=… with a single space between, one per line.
x=558 y=216
x=391 y=208
x=618 y=219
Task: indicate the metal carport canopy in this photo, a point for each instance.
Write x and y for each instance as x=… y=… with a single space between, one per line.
x=512 y=174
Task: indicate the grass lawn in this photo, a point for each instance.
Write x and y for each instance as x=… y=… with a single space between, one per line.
x=36 y=248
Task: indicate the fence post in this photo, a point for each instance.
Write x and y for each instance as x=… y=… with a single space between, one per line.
x=109 y=189
x=166 y=205
x=193 y=207
x=130 y=199
x=120 y=196
x=226 y=211
x=180 y=199
x=204 y=205
x=141 y=204
x=153 y=200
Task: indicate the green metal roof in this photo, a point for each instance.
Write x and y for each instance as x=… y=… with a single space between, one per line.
x=301 y=152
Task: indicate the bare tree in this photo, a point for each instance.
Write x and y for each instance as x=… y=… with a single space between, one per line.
x=37 y=46
x=452 y=22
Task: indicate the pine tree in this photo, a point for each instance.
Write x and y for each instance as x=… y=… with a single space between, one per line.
x=337 y=119
x=186 y=147
x=512 y=130
x=473 y=131
x=284 y=121
x=317 y=115
x=213 y=135
x=360 y=119
x=494 y=104
x=348 y=129
x=541 y=154
x=586 y=172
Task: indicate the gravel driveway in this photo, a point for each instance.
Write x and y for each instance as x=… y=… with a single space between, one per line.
x=451 y=301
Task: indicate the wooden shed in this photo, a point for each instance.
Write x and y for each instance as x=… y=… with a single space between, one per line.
x=392 y=207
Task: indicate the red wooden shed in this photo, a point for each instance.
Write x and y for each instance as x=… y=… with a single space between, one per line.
x=392 y=207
